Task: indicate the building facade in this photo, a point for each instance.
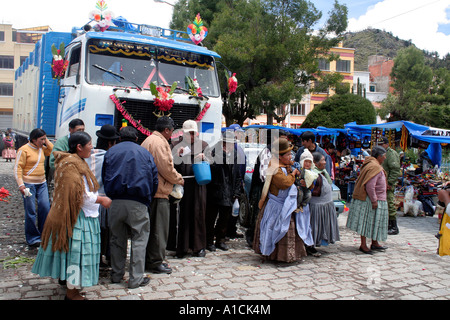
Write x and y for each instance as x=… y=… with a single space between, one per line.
x=15 y=47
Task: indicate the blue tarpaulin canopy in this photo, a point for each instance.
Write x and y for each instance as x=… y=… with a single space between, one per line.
x=417 y=131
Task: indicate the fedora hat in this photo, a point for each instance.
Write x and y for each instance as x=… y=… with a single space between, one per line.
x=107 y=132
x=282 y=146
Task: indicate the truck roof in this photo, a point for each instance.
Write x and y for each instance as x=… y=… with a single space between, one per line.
x=149 y=40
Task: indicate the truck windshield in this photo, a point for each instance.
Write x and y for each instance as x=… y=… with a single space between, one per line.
x=126 y=64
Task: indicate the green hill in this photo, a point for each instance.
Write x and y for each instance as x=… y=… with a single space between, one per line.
x=373 y=42
x=378 y=42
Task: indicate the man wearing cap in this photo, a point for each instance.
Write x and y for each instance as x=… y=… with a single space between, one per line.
x=158 y=145
x=188 y=231
x=392 y=168
x=107 y=137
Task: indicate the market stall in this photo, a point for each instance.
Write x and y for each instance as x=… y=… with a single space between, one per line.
x=420 y=180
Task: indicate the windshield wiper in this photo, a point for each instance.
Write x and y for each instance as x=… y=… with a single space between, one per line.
x=116 y=74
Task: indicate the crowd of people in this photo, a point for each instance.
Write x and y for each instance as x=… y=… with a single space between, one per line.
x=123 y=190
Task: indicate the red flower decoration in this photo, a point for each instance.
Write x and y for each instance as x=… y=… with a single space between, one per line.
x=59 y=67
x=232 y=83
x=164 y=104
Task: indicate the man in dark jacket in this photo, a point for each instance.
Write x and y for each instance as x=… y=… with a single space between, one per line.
x=130 y=179
x=222 y=191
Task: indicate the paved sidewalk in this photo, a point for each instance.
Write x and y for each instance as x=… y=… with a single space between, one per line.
x=409 y=269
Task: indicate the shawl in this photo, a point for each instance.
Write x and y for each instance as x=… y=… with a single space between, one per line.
x=324 y=172
x=67 y=199
x=274 y=166
x=369 y=169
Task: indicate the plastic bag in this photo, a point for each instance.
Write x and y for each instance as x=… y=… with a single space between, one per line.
x=177 y=191
x=235 y=211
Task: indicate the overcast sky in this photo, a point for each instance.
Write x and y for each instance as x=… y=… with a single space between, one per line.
x=425 y=22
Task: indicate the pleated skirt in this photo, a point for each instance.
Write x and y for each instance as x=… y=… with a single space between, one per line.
x=324 y=223
x=80 y=265
x=367 y=222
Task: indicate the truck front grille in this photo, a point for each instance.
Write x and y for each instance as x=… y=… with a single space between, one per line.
x=143 y=111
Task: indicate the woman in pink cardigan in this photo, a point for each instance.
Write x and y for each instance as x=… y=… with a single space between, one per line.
x=368 y=214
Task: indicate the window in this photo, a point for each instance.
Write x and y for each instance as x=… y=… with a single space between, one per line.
x=298 y=109
x=324 y=64
x=22 y=59
x=6 y=62
x=74 y=62
x=6 y=89
x=320 y=87
x=123 y=63
x=2 y=35
x=372 y=88
x=343 y=65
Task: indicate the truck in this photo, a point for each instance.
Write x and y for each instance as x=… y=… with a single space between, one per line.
x=110 y=78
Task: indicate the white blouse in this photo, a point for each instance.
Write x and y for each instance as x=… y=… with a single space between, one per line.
x=90 y=208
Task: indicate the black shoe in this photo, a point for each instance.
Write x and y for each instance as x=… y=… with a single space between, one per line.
x=312 y=251
x=211 y=247
x=381 y=248
x=143 y=283
x=162 y=268
x=201 y=253
x=180 y=255
x=33 y=246
x=221 y=246
x=365 y=251
x=62 y=282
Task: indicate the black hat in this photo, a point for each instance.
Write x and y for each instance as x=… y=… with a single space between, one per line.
x=383 y=140
x=107 y=132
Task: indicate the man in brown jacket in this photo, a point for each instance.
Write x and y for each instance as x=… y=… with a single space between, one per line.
x=158 y=145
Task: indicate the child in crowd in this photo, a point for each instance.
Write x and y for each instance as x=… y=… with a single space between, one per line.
x=305 y=167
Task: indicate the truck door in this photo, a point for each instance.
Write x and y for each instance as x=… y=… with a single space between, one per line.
x=70 y=103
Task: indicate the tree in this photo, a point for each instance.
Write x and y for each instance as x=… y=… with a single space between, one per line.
x=340 y=109
x=421 y=94
x=269 y=44
x=411 y=81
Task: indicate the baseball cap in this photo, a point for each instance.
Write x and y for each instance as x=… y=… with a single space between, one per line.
x=190 y=126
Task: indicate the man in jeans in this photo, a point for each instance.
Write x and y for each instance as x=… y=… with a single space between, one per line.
x=158 y=145
x=130 y=179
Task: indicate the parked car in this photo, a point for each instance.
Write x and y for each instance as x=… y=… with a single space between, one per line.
x=252 y=150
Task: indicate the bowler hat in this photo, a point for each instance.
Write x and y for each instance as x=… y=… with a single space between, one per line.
x=107 y=132
x=281 y=146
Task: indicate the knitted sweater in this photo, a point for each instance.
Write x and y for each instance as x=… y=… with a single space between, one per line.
x=29 y=165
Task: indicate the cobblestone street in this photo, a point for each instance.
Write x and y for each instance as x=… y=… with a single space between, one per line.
x=409 y=269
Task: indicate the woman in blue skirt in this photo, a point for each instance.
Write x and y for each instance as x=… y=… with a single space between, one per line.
x=368 y=214
x=70 y=241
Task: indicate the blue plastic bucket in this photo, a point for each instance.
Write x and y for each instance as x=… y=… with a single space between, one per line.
x=202 y=172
